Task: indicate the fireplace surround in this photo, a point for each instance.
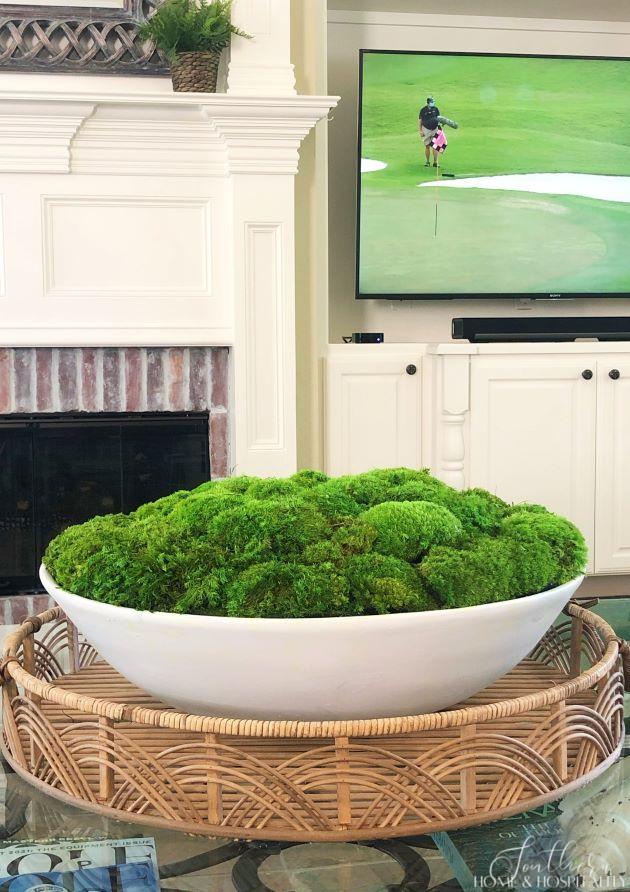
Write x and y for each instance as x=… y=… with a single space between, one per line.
x=140 y=222
x=152 y=420
x=121 y=379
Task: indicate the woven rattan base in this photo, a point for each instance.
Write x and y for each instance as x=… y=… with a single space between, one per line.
x=90 y=737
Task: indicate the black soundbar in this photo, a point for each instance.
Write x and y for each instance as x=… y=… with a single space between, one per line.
x=539 y=328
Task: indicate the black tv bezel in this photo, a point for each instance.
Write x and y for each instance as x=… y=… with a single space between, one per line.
x=468 y=295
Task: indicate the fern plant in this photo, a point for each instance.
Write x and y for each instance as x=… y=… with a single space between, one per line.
x=191 y=26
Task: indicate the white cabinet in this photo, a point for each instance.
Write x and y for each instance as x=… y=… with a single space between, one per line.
x=555 y=429
x=373 y=409
x=612 y=486
x=532 y=432
x=544 y=423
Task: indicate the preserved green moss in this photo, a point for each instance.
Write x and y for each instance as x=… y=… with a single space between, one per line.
x=68 y=553
x=390 y=540
x=565 y=541
x=274 y=589
x=277 y=528
x=197 y=513
x=407 y=530
x=273 y=488
x=478 y=509
x=334 y=502
x=480 y=573
x=308 y=478
x=162 y=506
x=384 y=584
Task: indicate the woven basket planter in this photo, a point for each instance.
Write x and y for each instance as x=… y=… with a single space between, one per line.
x=195 y=72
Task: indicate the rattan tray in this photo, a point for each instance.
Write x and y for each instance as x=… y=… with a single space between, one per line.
x=78 y=730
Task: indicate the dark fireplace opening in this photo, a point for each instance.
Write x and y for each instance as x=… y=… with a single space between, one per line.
x=58 y=470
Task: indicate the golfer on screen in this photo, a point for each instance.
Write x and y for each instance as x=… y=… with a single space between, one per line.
x=429 y=125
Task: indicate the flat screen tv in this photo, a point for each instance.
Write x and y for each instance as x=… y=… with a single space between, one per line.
x=493 y=176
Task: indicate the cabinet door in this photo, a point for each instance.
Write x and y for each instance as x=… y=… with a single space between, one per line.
x=372 y=413
x=532 y=432
x=612 y=549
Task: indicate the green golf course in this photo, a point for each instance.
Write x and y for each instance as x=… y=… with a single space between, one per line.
x=515 y=116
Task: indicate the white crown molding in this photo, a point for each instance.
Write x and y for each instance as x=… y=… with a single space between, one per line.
x=120 y=336
x=474 y=22
x=149 y=141
x=170 y=134
x=36 y=136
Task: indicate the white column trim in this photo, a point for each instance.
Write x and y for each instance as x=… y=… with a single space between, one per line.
x=454 y=406
x=262 y=64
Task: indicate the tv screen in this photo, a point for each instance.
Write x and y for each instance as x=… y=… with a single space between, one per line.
x=493 y=175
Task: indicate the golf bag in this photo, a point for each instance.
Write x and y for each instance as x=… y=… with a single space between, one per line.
x=448 y=122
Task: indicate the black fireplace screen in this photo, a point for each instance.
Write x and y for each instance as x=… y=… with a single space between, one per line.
x=57 y=471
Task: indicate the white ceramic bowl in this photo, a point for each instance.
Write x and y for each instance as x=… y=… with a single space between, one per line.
x=311 y=669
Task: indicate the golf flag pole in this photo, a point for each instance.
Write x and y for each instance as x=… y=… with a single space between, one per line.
x=437 y=201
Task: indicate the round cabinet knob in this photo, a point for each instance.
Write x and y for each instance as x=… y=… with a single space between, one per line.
x=587 y=374
x=411 y=369
x=615 y=374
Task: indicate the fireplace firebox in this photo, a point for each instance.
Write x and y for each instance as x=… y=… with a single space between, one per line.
x=60 y=470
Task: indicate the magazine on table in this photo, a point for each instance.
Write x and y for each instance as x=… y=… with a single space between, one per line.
x=103 y=865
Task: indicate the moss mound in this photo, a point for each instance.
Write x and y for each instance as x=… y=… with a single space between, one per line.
x=387 y=541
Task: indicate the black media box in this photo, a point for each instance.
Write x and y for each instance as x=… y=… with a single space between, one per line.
x=368 y=337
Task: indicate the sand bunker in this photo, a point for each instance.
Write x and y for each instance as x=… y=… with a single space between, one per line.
x=588 y=185
x=368 y=166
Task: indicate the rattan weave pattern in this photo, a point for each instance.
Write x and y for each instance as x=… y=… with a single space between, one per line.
x=195 y=72
x=76 y=728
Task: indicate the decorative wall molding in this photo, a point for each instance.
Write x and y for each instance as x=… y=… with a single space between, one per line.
x=257 y=14
x=147 y=334
x=154 y=134
x=151 y=140
x=454 y=404
x=36 y=136
x=264 y=312
x=157 y=228
x=3 y=282
x=387 y=18
x=245 y=80
x=94 y=38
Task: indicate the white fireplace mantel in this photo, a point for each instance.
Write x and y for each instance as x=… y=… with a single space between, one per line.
x=167 y=134
x=154 y=218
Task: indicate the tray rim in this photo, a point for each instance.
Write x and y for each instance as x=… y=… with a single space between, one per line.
x=11 y=667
